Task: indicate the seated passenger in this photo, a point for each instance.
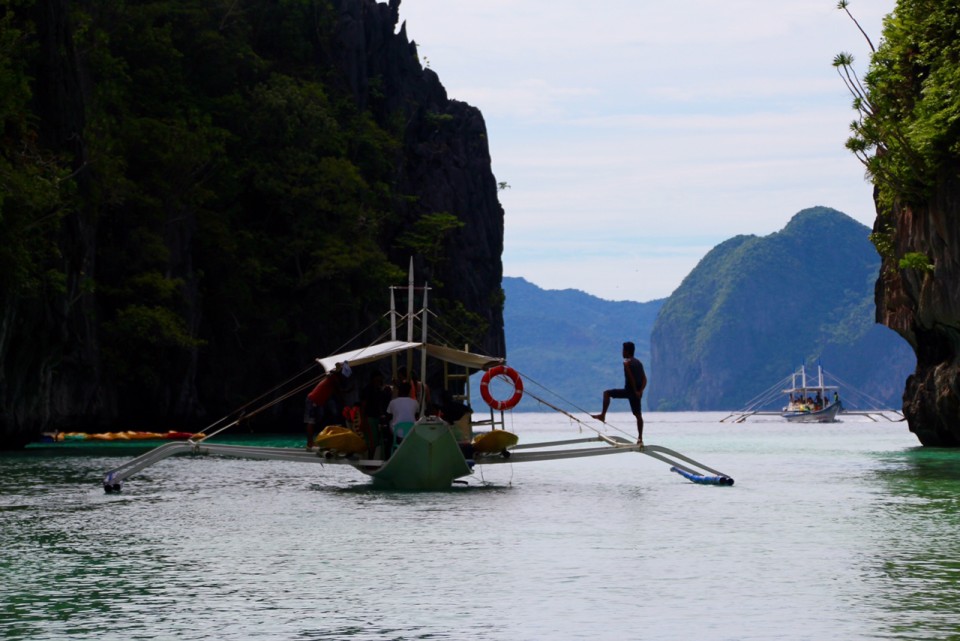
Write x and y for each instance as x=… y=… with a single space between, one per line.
x=402 y=409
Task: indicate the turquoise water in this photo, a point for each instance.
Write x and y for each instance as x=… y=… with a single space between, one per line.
x=842 y=531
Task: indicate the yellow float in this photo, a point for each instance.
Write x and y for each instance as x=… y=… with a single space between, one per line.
x=494 y=441
x=340 y=439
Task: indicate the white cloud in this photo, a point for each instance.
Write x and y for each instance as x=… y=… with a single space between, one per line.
x=625 y=126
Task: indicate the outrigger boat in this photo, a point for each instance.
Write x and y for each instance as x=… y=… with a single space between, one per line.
x=811 y=403
x=433 y=453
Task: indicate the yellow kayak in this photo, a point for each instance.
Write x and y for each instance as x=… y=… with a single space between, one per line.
x=130 y=435
x=340 y=439
x=494 y=441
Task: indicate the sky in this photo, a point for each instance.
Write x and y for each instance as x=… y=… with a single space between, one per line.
x=635 y=135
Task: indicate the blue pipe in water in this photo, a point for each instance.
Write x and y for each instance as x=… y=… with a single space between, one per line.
x=703 y=480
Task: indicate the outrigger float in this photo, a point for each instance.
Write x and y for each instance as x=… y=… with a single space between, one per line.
x=433 y=453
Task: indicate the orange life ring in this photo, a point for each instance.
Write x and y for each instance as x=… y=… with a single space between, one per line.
x=501 y=370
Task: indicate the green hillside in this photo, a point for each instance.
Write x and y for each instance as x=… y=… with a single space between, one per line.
x=756 y=308
x=197 y=198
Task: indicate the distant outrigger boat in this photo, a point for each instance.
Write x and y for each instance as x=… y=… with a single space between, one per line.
x=432 y=453
x=809 y=403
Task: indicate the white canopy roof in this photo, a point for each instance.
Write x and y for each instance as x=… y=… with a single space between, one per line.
x=382 y=350
x=460 y=357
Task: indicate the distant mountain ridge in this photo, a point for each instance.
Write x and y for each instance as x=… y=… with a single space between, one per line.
x=752 y=311
x=569 y=341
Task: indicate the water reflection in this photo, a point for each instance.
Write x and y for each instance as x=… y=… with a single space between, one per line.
x=913 y=575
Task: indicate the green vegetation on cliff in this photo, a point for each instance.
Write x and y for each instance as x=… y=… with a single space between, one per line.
x=34 y=181
x=189 y=190
x=908 y=136
x=909 y=124
x=756 y=308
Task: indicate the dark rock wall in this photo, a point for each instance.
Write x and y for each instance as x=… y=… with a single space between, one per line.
x=924 y=308
x=54 y=377
x=446 y=157
x=51 y=366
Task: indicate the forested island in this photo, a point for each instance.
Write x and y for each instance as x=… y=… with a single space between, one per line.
x=196 y=199
x=757 y=308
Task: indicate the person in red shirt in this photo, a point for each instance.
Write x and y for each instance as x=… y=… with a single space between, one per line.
x=330 y=387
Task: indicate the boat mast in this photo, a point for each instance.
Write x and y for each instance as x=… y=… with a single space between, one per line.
x=423 y=339
x=393 y=316
x=393 y=332
x=410 y=317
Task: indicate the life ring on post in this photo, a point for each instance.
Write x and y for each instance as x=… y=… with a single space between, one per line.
x=509 y=372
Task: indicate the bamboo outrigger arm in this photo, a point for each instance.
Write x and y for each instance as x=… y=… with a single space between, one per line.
x=684 y=465
x=113 y=481
x=520 y=453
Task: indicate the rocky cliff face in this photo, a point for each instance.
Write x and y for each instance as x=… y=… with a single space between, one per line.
x=48 y=348
x=924 y=307
x=446 y=159
x=54 y=373
x=906 y=134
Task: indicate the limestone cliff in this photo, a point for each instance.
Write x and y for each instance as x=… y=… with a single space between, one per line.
x=238 y=183
x=446 y=158
x=923 y=306
x=906 y=134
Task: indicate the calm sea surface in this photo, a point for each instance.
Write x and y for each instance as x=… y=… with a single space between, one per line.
x=843 y=531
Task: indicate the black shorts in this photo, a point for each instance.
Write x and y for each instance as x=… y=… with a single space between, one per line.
x=633 y=398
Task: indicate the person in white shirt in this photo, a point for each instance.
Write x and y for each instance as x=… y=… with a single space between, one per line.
x=402 y=409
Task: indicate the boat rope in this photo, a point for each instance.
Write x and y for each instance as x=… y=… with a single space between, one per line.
x=243 y=412
x=850 y=393
x=356 y=337
x=579 y=421
x=243 y=416
x=774 y=391
x=762 y=399
x=442 y=339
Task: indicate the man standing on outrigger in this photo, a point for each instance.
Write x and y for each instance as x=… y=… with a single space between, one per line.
x=634 y=382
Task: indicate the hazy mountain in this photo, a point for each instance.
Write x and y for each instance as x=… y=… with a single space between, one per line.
x=752 y=311
x=569 y=342
x=756 y=308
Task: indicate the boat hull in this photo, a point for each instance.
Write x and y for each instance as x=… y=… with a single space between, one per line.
x=826 y=415
x=428 y=458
